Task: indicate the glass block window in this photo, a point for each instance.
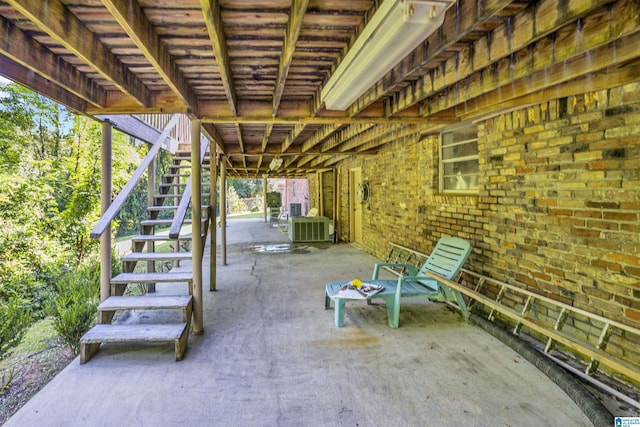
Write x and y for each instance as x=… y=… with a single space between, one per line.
x=459 y=160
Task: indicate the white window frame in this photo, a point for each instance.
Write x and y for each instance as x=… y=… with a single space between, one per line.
x=442 y=161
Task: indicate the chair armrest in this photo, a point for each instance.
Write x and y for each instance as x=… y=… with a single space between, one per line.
x=376 y=268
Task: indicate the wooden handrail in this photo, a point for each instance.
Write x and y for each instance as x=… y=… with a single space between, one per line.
x=181 y=212
x=117 y=203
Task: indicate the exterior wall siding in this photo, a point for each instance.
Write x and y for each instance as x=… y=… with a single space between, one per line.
x=558 y=210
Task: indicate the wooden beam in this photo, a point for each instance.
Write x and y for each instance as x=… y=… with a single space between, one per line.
x=296 y=16
x=24 y=50
x=53 y=18
x=212 y=134
x=599 y=80
x=295 y=133
x=310 y=153
x=320 y=135
x=296 y=112
x=307 y=120
x=459 y=21
x=265 y=137
x=346 y=134
x=240 y=139
x=534 y=28
x=213 y=19
x=135 y=23
x=28 y=78
x=496 y=89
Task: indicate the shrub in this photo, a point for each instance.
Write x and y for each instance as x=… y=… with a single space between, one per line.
x=75 y=305
x=15 y=317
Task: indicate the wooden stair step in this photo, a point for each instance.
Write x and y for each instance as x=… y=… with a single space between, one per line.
x=161 y=208
x=124 y=278
x=175 y=332
x=157 y=256
x=169 y=208
x=147 y=302
x=171 y=196
x=158 y=237
x=166 y=221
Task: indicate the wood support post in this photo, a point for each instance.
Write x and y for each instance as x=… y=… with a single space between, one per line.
x=213 y=197
x=197 y=244
x=223 y=209
x=151 y=189
x=105 y=201
x=264 y=197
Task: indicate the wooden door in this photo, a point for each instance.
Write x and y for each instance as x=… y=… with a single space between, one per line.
x=355 y=207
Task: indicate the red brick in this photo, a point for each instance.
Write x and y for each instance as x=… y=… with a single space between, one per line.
x=632 y=314
x=623 y=258
x=619 y=216
x=603 y=225
x=606 y=265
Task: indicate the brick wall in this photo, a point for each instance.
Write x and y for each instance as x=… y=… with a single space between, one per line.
x=558 y=210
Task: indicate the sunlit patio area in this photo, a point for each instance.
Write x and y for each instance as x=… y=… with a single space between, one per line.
x=270 y=355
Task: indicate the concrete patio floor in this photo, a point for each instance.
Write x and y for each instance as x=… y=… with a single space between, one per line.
x=271 y=356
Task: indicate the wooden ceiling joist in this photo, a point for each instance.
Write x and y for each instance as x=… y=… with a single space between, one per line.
x=253 y=72
x=296 y=16
x=135 y=23
x=213 y=19
x=20 y=48
x=55 y=20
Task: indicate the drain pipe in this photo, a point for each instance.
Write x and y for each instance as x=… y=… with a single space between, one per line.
x=592 y=407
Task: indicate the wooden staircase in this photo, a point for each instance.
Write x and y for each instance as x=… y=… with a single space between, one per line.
x=141 y=267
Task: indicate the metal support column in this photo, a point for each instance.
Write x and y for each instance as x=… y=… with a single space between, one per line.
x=197 y=244
x=213 y=198
x=223 y=209
x=105 y=201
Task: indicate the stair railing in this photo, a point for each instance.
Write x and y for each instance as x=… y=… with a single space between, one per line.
x=181 y=212
x=117 y=203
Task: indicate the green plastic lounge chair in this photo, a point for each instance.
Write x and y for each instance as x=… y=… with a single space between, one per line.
x=446 y=260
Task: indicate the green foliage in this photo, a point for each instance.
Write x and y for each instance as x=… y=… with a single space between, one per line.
x=234 y=203
x=246 y=188
x=75 y=304
x=15 y=317
x=49 y=201
x=274 y=199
